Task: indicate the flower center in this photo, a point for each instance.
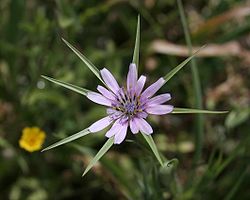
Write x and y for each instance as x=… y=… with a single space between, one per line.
x=130 y=107
x=127 y=103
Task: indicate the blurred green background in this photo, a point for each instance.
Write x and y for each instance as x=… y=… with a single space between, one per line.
x=30 y=45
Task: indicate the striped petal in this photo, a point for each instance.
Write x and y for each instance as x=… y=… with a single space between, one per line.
x=132 y=77
x=98 y=98
x=133 y=126
x=109 y=80
x=100 y=124
x=142 y=114
x=159 y=99
x=114 y=114
x=106 y=93
x=140 y=84
x=152 y=89
x=159 y=109
x=114 y=129
x=120 y=136
x=143 y=126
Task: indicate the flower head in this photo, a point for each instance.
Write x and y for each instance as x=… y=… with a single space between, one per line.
x=32 y=139
x=128 y=106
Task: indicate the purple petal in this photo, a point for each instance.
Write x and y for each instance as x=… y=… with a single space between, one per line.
x=160 y=99
x=98 y=98
x=114 y=114
x=100 y=124
x=140 y=84
x=132 y=76
x=109 y=80
x=152 y=89
x=133 y=126
x=142 y=114
x=120 y=94
x=143 y=125
x=124 y=119
x=106 y=93
x=120 y=136
x=114 y=129
x=159 y=109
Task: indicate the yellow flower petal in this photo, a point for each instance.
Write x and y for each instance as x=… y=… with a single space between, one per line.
x=32 y=139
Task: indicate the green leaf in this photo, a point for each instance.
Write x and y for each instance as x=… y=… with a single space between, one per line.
x=87 y=62
x=168 y=76
x=153 y=147
x=68 y=139
x=100 y=153
x=68 y=85
x=190 y=110
x=137 y=44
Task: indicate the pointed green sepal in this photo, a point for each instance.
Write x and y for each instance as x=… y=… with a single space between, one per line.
x=86 y=61
x=168 y=76
x=68 y=139
x=69 y=86
x=108 y=144
x=190 y=110
x=153 y=147
x=137 y=44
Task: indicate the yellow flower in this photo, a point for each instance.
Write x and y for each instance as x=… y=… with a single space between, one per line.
x=32 y=139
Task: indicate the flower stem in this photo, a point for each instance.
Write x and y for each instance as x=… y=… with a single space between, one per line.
x=199 y=123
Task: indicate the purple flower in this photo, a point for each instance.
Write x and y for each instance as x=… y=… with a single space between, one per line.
x=128 y=106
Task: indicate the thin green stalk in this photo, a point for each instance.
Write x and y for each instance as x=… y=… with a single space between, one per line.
x=199 y=123
x=236 y=186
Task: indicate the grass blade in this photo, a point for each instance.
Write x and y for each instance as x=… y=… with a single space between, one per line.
x=87 y=62
x=153 y=147
x=199 y=123
x=100 y=153
x=67 y=85
x=137 y=44
x=168 y=76
x=236 y=187
x=68 y=139
x=190 y=110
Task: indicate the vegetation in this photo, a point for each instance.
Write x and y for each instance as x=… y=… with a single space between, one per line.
x=208 y=155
